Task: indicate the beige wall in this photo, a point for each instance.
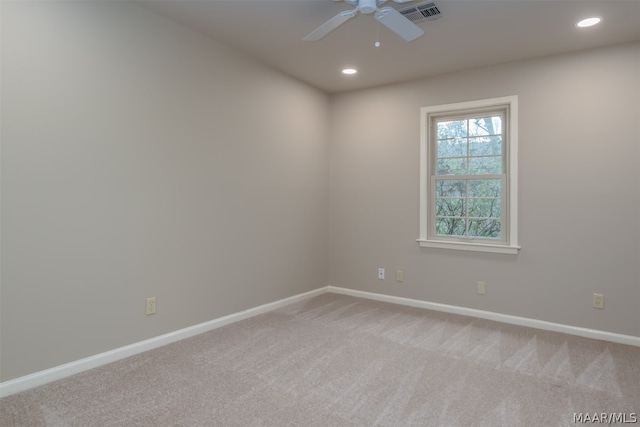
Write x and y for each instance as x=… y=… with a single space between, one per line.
x=579 y=192
x=139 y=159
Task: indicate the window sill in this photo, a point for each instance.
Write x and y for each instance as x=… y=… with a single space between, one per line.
x=468 y=246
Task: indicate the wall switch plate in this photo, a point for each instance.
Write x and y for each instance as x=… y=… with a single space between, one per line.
x=598 y=301
x=399 y=275
x=151 y=305
x=481 y=288
x=381 y=274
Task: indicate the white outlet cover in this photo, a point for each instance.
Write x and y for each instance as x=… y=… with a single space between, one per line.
x=151 y=305
x=598 y=300
x=481 y=288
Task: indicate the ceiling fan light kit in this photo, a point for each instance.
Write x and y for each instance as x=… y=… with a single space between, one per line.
x=387 y=16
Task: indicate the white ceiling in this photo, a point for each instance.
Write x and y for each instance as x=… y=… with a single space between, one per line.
x=469 y=34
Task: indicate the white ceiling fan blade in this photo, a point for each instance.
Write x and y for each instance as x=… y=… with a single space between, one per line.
x=393 y=20
x=330 y=25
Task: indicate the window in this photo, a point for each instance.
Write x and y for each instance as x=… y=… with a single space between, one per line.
x=468 y=176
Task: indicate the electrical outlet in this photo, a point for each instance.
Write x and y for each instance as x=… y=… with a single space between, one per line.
x=381 y=274
x=151 y=305
x=598 y=301
x=399 y=276
x=481 y=288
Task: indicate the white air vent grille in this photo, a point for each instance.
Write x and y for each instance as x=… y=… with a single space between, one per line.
x=427 y=11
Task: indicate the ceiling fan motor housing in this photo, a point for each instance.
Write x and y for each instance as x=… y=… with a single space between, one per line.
x=367 y=6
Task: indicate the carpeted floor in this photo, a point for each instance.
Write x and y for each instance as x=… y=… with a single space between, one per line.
x=336 y=360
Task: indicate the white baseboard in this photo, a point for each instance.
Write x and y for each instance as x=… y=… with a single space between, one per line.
x=498 y=317
x=42 y=377
x=58 y=372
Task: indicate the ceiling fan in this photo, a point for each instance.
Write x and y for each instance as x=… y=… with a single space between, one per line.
x=387 y=16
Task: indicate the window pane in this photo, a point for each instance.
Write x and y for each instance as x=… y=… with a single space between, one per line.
x=491 y=125
x=450 y=226
x=452 y=166
x=484 y=208
x=484 y=188
x=450 y=188
x=452 y=147
x=485 y=146
x=450 y=207
x=485 y=165
x=484 y=228
x=452 y=129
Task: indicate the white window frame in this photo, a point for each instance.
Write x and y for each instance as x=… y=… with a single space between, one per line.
x=509 y=220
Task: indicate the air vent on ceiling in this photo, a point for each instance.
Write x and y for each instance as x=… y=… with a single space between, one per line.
x=427 y=11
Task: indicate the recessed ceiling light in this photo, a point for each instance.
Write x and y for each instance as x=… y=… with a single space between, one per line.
x=588 y=22
x=349 y=71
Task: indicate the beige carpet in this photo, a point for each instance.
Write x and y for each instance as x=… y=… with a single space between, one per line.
x=336 y=360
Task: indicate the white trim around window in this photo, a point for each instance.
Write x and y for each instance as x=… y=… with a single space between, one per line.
x=505 y=240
